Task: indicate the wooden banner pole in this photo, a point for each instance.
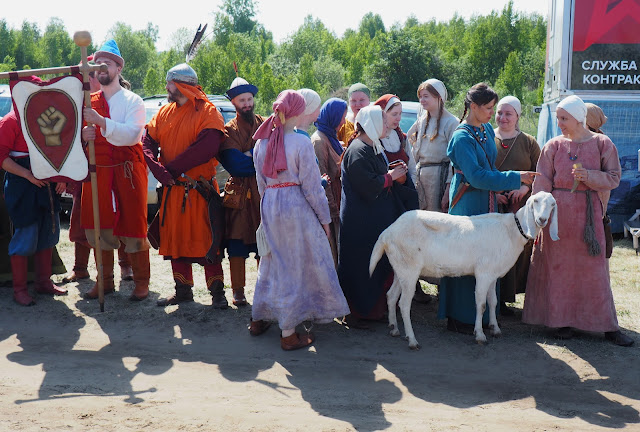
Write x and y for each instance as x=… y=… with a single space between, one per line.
x=52 y=71
x=83 y=40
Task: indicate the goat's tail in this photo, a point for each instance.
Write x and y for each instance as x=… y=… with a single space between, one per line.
x=376 y=254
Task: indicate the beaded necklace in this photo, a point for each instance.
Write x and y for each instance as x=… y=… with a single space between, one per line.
x=574 y=157
x=482 y=138
x=477 y=131
x=506 y=146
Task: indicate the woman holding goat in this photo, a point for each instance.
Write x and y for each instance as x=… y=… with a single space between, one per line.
x=472 y=151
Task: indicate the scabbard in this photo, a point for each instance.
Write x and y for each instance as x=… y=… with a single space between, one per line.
x=461 y=191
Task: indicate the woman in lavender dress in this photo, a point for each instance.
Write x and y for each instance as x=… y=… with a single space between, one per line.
x=297 y=280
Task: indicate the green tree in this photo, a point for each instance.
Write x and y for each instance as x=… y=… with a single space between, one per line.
x=153 y=83
x=511 y=79
x=402 y=63
x=371 y=24
x=6 y=39
x=237 y=15
x=138 y=50
x=329 y=74
x=7 y=65
x=311 y=38
x=306 y=76
x=26 y=47
x=56 y=47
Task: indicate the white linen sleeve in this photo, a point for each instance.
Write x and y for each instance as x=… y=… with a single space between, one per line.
x=128 y=132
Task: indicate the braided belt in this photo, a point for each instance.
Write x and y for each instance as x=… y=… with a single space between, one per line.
x=282 y=185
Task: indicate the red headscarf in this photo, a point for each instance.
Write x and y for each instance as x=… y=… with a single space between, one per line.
x=289 y=104
x=382 y=102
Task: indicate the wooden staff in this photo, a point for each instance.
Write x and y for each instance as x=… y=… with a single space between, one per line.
x=83 y=40
x=57 y=70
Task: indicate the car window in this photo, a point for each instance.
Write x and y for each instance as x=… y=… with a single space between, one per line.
x=407 y=120
x=228 y=115
x=5 y=105
x=150 y=112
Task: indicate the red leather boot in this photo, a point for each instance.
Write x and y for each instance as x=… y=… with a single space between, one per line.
x=19 y=270
x=44 y=285
x=141 y=275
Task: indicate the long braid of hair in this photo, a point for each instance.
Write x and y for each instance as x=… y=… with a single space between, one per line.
x=440 y=111
x=426 y=126
x=466 y=108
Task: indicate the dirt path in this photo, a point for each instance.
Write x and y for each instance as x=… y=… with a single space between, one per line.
x=65 y=366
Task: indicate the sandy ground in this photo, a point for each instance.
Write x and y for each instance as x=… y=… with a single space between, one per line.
x=136 y=367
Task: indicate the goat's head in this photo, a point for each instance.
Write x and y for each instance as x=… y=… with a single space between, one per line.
x=540 y=209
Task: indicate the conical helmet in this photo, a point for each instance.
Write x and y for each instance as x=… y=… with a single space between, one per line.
x=183 y=73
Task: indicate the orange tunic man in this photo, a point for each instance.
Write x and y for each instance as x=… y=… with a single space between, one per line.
x=186 y=135
x=118 y=115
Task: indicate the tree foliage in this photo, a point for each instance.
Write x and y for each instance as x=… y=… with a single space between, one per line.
x=504 y=48
x=138 y=49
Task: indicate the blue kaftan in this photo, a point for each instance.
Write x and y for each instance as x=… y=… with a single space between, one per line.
x=457 y=295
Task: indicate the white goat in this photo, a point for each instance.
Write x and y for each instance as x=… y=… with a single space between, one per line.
x=431 y=244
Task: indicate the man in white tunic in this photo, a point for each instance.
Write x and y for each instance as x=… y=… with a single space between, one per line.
x=119 y=118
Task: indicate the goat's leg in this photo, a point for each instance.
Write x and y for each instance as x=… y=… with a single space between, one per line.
x=392 y=300
x=482 y=286
x=408 y=291
x=493 y=301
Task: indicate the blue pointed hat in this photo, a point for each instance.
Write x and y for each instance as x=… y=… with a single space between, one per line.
x=109 y=50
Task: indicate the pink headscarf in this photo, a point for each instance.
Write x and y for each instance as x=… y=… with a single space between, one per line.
x=289 y=104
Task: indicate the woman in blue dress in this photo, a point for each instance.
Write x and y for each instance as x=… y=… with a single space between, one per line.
x=472 y=151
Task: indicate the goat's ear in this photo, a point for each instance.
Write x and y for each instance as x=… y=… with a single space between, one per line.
x=553 y=227
x=530 y=227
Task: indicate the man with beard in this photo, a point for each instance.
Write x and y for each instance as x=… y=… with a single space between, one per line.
x=82 y=250
x=181 y=143
x=118 y=116
x=236 y=155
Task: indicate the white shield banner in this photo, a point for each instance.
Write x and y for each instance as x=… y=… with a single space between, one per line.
x=51 y=120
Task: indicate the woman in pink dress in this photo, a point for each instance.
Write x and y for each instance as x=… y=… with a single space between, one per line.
x=568 y=285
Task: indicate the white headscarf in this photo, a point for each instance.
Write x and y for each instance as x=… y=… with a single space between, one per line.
x=576 y=108
x=370 y=118
x=439 y=86
x=311 y=99
x=512 y=101
x=390 y=103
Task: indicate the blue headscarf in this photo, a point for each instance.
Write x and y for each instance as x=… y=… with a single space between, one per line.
x=329 y=119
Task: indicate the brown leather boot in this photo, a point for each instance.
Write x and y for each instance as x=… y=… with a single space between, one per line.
x=256 y=328
x=237 y=270
x=141 y=275
x=107 y=275
x=126 y=264
x=296 y=341
x=80 y=266
x=19 y=270
x=183 y=294
x=44 y=285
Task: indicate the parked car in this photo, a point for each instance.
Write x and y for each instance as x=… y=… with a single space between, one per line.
x=152 y=106
x=5 y=100
x=410 y=111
